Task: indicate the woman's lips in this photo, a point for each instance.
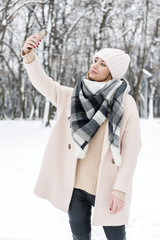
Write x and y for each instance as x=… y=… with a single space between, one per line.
x=92 y=71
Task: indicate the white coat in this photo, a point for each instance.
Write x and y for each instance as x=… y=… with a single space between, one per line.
x=57 y=174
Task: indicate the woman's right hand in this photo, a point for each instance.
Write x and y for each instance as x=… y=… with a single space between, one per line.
x=31 y=42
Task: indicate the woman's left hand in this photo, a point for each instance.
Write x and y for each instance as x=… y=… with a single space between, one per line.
x=115 y=205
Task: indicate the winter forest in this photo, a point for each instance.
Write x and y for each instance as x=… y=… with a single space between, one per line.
x=75 y=31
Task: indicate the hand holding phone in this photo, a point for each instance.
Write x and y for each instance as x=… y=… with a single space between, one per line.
x=32 y=42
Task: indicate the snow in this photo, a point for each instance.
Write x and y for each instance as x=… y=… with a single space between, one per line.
x=147 y=73
x=23 y=216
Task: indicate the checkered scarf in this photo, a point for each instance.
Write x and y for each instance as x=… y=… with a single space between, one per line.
x=91 y=103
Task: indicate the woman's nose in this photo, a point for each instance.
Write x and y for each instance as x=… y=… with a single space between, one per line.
x=95 y=65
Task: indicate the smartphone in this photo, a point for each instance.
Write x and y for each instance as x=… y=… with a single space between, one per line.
x=41 y=34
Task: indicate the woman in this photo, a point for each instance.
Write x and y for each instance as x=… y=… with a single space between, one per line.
x=92 y=151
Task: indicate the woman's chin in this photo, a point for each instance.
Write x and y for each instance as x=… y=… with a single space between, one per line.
x=92 y=77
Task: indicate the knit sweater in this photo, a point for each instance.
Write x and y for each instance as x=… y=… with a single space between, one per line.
x=87 y=168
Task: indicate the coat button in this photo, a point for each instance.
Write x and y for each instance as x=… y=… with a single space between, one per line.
x=69 y=146
x=113 y=161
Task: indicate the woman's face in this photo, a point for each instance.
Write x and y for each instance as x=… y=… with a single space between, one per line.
x=99 y=70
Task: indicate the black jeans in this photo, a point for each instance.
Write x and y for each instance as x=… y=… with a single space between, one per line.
x=80 y=218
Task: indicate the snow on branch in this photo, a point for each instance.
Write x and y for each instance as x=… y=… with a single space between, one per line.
x=11 y=48
x=147 y=73
x=25 y=4
x=103 y=4
x=157 y=39
x=126 y=31
x=35 y=16
x=13 y=32
x=73 y=26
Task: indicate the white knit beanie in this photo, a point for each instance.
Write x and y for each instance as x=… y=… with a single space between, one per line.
x=117 y=61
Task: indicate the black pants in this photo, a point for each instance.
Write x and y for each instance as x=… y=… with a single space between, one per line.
x=80 y=218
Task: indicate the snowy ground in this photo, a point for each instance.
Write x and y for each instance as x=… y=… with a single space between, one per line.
x=23 y=216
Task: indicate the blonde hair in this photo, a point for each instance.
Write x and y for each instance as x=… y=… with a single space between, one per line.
x=107 y=79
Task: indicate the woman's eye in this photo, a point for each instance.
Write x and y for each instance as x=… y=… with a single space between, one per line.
x=103 y=64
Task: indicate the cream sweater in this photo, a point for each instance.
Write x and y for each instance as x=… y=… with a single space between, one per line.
x=87 y=168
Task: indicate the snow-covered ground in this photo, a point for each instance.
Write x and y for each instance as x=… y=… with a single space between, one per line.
x=23 y=216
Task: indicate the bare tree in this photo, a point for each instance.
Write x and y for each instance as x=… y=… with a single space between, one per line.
x=75 y=30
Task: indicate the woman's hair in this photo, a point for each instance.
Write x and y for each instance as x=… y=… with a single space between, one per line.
x=108 y=78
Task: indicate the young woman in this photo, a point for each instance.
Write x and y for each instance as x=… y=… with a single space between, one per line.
x=92 y=151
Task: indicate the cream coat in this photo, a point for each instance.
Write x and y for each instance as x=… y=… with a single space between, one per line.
x=56 y=178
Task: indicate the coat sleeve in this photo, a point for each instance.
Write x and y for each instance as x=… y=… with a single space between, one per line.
x=130 y=148
x=52 y=90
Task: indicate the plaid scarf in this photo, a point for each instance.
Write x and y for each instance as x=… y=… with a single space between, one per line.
x=91 y=103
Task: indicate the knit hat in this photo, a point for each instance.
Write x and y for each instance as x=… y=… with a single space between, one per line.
x=117 y=61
